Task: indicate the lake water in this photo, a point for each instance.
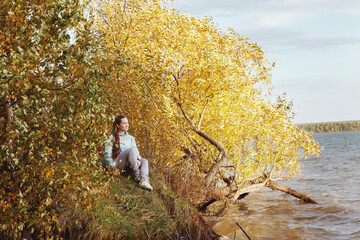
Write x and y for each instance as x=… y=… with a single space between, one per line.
x=333 y=180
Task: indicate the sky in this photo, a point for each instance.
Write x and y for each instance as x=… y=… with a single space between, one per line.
x=314 y=43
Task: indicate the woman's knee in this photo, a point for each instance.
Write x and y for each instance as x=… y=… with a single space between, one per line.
x=133 y=151
x=144 y=161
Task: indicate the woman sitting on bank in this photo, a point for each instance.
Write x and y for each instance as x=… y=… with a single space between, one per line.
x=121 y=151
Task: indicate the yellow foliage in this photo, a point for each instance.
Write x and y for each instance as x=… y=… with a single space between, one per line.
x=217 y=77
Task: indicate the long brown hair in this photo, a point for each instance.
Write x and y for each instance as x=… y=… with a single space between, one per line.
x=116 y=145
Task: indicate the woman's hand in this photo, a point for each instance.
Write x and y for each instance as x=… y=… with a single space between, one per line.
x=139 y=163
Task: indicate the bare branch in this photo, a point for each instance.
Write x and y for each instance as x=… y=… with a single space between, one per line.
x=278 y=186
x=222 y=153
x=202 y=114
x=124 y=7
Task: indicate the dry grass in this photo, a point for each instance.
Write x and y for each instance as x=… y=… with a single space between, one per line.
x=127 y=211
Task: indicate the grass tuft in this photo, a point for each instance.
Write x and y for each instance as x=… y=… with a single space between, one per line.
x=127 y=211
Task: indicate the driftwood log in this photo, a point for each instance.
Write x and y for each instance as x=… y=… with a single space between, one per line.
x=278 y=186
x=230 y=196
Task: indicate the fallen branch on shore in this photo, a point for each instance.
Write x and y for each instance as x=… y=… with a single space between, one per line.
x=251 y=186
x=278 y=186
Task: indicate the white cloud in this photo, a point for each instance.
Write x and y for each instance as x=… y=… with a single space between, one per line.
x=276 y=19
x=323 y=5
x=268 y=13
x=316 y=44
x=204 y=7
x=274 y=37
x=323 y=98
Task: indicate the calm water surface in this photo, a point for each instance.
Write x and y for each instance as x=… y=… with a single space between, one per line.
x=333 y=180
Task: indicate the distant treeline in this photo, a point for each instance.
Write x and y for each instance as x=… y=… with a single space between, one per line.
x=331 y=126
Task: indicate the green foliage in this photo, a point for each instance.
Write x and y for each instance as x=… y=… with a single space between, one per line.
x=49 y=145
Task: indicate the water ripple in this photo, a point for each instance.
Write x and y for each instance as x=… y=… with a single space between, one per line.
x=333 y=180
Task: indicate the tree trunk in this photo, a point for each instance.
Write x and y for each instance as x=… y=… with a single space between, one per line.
x=278 y=186
x=242 y=190
x=221 y=158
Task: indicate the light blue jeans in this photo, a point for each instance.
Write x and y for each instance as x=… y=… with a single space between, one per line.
x=128 y=157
